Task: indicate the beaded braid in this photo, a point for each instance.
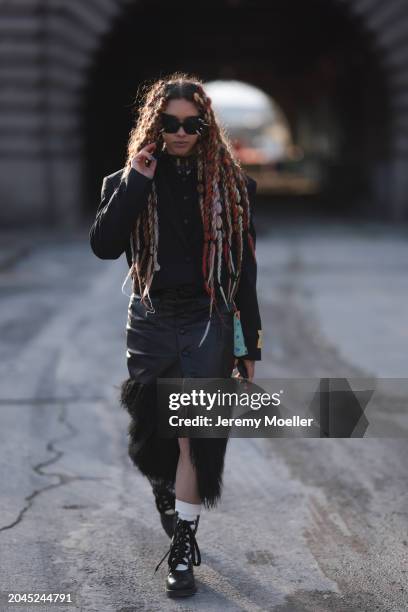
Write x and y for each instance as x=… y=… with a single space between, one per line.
x=222 y=193
x=222 y=164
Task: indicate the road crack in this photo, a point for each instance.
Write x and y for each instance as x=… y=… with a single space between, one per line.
x=63 y=479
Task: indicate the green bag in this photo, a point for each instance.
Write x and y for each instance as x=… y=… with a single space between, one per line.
x=239 y=342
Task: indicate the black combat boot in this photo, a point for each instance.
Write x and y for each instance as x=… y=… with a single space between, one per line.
x=165 y=499
x=183 y=550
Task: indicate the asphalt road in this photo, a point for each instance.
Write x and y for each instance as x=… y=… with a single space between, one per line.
x=304 y=524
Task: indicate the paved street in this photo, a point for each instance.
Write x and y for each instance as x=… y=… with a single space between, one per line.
x=312 y=524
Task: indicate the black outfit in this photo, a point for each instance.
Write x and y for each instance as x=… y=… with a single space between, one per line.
x=165 y=343
x=180 y=235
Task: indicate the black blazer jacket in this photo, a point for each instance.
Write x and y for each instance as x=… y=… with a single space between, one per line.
x=122 y=200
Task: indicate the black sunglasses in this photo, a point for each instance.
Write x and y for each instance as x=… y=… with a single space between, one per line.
x=191 y=125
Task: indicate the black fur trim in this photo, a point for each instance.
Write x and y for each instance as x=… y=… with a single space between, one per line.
x=208 y=455
x=156 y=457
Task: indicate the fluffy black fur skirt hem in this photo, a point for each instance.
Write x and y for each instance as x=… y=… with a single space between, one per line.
x=157 y=457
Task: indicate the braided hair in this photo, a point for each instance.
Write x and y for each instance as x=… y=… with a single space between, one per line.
x=222 y=192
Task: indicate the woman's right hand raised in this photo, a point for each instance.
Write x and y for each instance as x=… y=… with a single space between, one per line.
x=138 y=161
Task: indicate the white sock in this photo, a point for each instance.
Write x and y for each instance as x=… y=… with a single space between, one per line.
x=187 y=512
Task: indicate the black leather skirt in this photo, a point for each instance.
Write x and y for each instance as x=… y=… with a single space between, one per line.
x=165 y=344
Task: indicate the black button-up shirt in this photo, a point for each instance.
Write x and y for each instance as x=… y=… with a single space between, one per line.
x=180 y=236
x=180 y=227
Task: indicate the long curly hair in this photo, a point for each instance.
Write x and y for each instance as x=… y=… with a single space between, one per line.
x=222 y=191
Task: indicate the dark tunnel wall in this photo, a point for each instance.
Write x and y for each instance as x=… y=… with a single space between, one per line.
x=314 y=58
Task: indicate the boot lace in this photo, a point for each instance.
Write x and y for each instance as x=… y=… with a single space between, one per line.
x=182 y=545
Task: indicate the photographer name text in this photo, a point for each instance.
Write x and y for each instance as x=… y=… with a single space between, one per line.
x=272 y=421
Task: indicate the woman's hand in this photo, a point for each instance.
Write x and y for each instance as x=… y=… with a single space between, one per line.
x=250 y=368
x=138 y=161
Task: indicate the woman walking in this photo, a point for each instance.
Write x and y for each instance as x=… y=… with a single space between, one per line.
x=182 y=211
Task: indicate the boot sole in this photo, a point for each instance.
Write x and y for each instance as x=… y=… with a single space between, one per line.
x=181 y=592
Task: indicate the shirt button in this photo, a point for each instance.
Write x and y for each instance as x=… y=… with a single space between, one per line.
x=182 y=330
x=185 y=220
x=188 y=258
x=186 y=352
x=186 y=197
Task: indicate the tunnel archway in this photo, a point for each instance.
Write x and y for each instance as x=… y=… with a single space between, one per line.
x=316 y=59
x=321 y=59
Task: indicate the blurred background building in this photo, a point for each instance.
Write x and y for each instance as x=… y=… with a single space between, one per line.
x=314 y=95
